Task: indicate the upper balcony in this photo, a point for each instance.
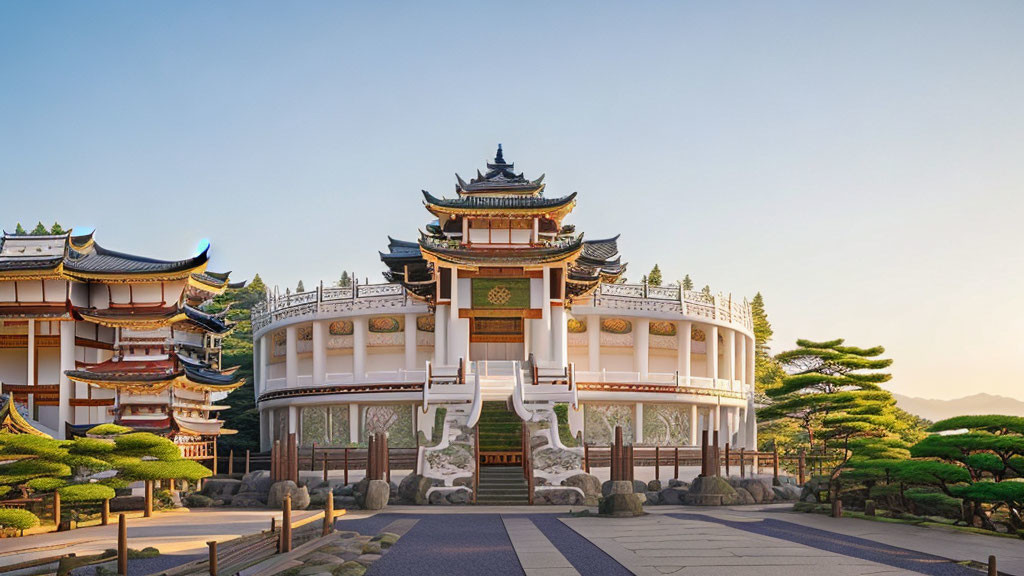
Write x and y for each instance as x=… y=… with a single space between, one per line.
x=328 y=301
x=668 y=301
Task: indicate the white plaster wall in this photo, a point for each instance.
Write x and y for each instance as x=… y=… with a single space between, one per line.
x=13 y=366
x=7 y=292
x=339 y=363
x=580 y=357
x=48 y=371
x=385 y=360
x=662 y=361
x=617 y=359
x=55 y=290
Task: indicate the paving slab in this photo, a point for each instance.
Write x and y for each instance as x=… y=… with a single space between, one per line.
x=537 y=555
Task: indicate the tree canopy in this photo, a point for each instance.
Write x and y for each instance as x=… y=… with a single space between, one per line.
x=654 y=278
x=686 y=283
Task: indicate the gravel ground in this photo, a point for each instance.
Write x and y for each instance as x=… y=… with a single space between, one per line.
x=144 y=566
x=846 y=545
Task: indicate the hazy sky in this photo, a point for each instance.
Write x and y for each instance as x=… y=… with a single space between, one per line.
x=858 y=163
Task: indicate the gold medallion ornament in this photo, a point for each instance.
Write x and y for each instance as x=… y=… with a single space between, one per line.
x=499 y=295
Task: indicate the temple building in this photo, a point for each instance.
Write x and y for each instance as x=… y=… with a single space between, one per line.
x=90 y=336
x=502 y=305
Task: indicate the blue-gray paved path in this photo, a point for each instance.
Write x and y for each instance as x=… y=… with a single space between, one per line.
x=842 y=544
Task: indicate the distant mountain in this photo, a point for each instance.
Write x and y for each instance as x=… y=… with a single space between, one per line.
x=935 y=410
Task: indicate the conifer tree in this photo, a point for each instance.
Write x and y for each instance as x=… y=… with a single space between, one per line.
x=643 y=279
x=654 y=278
x=345 y=281
x=300 y=288
x=706 y=290
x=686 y=284
x=768 y=373
x=57 y=229
x=40 y=230
x=20 y=230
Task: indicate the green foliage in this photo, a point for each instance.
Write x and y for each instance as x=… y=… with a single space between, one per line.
x=345 y=281
x=57 y=229
x=45 y=484
x=654 y=278
x=564 y=432
x=30 y=444
x=300 y=288
x=994 y=423
x=86 y=493
x=20 y=230
x=768 y=372
x=141 y=444
x=40 y=230
x=91 y=446
x=160 y=469
x=22 y=470
x=108 y=430
x=17 y=519
x=934 y=503
x=686 y=283
x=706 y=290
x=115 y=483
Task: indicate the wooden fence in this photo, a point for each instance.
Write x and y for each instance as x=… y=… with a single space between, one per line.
x=344 y=460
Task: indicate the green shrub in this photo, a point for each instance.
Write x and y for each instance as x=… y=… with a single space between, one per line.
x=141 y=444
x=79 y=461
x=163 y=499
x=108 y=430
x=161 y=470
x=31 y=444
x=91 y=446
x=22 y=470
x=17 y=519
x=115 y=482
x=5 y=490
x=45 y=484
x=930 y=503
x=86 y=493
x=564 y=432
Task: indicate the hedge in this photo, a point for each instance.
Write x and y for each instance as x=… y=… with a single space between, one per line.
x=45 y=484
x=86 y=493
x=146 y=444
x=163 y=470
x=22 y=470
x=17 y=518
x=91 y=446
x=108 y=430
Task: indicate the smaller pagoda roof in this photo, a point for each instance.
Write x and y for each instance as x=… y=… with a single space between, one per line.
x=137 y=317
x=565 y=250
x=12 y=421
x=213 y=323
x=197 y=377
x=598 y=261
x=499 y=205
x=500 y=179
x=32 y=256
x=97 y=262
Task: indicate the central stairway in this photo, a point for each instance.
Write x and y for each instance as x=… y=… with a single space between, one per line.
x=502 y=486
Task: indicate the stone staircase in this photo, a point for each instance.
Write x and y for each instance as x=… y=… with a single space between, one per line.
x=502 y=486
x=500 y=429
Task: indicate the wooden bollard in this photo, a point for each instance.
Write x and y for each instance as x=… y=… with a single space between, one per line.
x=657 y=462
x=775 y=464
x=743 y=463
x=727 y=458
x=312 y=458
x=329 y=514
x=275 y=464
x=105 y=512
x=122 y=545
x=801 y=463
x=716 y=462
x=346 y=466
x=214 y=457
x=56 y=510
x=231 y=461
x=286 y=525
x=675 y=463
x=703 y=452
x=586 y=458
x=213 y=557
x=837 y=507
x=246 y=461
x=273 y=524
x=869 y=507
x=293 y=457
x=992 y=570
x=149 y=499
x=325 y=466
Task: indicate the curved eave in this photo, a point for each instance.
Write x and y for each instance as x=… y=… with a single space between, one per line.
x=12 y=421
x=140 y=322
x=465 y=259
x=199 y=386
x=54 y=273
x=199 y=282
x=555 y=210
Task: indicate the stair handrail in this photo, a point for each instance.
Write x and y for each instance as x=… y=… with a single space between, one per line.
x=573 y=389
x=518 y=396
x=477 y=406
x=426 y=386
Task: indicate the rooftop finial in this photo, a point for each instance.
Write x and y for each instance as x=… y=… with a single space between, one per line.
x=498 y=158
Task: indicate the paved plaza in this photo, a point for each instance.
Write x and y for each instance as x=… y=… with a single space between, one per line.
x=499 y=541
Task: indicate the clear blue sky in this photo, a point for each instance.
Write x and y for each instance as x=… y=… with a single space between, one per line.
x=858 y=163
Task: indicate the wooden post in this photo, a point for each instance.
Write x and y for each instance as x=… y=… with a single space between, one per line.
x=727 y=458
x=675 y=463
x=293 y=454
x=992 y=570
x=657 y=462
x=775 y=464
x=170 y=484
x=286 y=525
x=346 y=466
x=273 y=460
x=716 y=464
x=800 y=467
x=231 y=461
x=149 y=499
x=312 y=457
x=325 y=466
x=213 y=557
x=586 y=458
x=704 y=471
x=386 y=457
x=247 y=461
x=370 y=460
x=329 y=514
x=122 y=545
x=273 y=524
x=743 y=463
x=869 y=507
x=214 y=457
x=837 y=507
x=56 y=510
x=105 y=512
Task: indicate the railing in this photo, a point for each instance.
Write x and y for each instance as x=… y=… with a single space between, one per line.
x=197 y=450
x=359 y=296
x=674 y=299
x=339 y=459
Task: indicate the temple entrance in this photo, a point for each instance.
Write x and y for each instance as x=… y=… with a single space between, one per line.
x=500 y=433
x=496 y=339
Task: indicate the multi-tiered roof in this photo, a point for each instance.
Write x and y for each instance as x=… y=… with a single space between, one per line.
x=516 y=203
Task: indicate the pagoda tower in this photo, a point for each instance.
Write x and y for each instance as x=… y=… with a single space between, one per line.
x=499 y=265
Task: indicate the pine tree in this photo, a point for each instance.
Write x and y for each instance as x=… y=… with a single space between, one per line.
x=687 y=284
x=643 y=279
x=20 y=230
x=40 y=230
x=654 y=278
x=300 y=288
x=57 y=229
x=768 y=373
x=706 y=290
x=345 y=281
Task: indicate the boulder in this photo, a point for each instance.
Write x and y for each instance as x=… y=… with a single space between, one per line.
x=672 y=496
x=300 y=495
x=617 y=487
x=743 y=496
x=654 y=486
x=458 y=497
x=393 y=487
x=639 y=486
x=318 y=497
x=620 y=505
x=590 y=485
x=437 y=498
x=344 y=490
x=652 y=498
x=376 y=497
x=126 y=503
x=759 y=489
x=221 y=488
x=190 y=501
x=675 y=483
x=710 y=491
x=350 y=568
x=413 y=489
x=247 y=500
x=345 y=502
x=559 y=497
x=787 y=492
x=257 y=481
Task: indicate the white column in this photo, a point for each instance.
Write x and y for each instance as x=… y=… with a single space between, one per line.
x=638 y=424
x=410 y=342
x=264 y=362
x=559 y=333
x=684 y=331
x=751 y=424
x=30 y=374
x=730 y=357
x=267 y=424
x=359 y=349
x=67 y=362
x=694 y=424
x=291 y=358
x=541 y=330
x=441 y=334
x=711 y=347
x=720 y=425
x=536 y=231
x=750 y=360
x=458 y=328
x=743 y=360
x=594 y=342
x=293 y=420
x=319 y=353
x=353 y=423
x=641 y=347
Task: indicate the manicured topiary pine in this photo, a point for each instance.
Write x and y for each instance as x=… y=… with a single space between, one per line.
x=13 y=518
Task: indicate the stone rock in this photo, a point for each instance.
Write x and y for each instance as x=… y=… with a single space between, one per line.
x=620 y=505
x=377 y=493
x=652 y=497
x=221 y=488
x=466 y=481
x=673 y=496
x=639 y=487
x=344 y=490
x=386 y=539
x=787 y=492
x=559 y=497
x=437 y=498
x=413 y=489
x=126 y=503
x=458 y=497
x=367 y=559
x=300 y=495
x=675 y=483
x=257 y=481
x=540 y=481
x=345 y=501
x=371 y=547
x=393 y=487
x=617 y=487
x=247 y=500
x=654 y=486
x=315 y=569
x=710 y=491
x=759 y=489
x=350 y=568
x=744 y=497
x=190 y=501
x=590 y=485
x=318 y=498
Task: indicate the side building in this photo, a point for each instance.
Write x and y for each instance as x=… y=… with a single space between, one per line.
x=89 y=336
x=501 y=305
